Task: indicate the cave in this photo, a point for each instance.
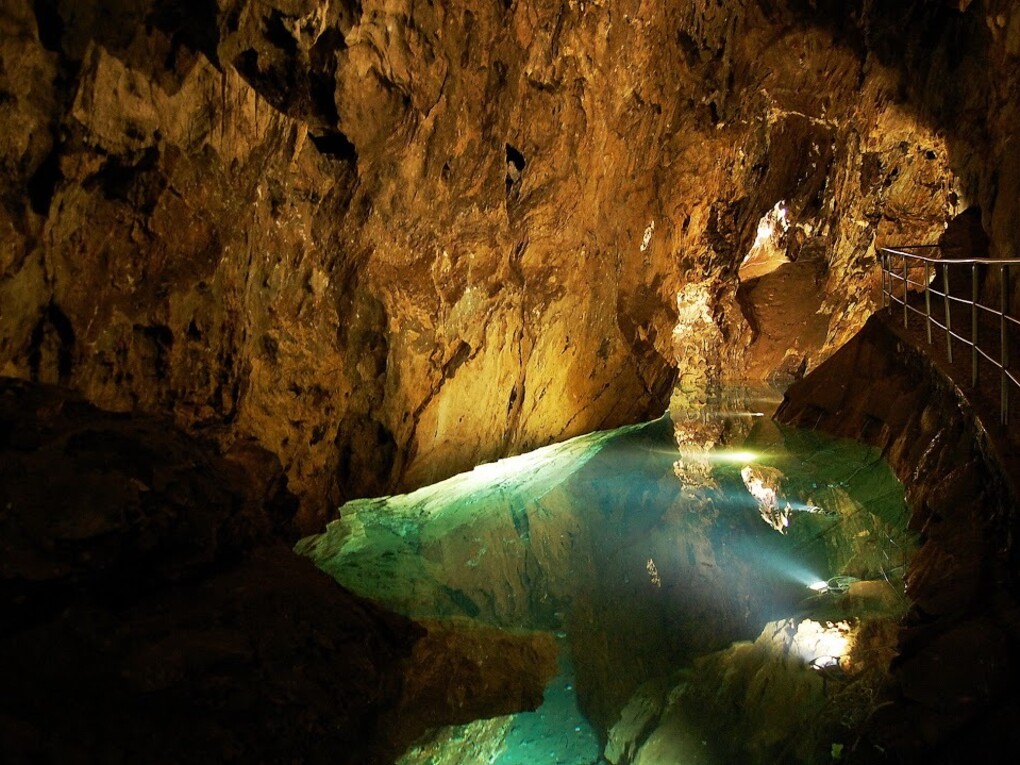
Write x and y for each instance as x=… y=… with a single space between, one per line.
x=603 y=382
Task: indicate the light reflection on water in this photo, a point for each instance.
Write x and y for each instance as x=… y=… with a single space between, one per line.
x=642 y=548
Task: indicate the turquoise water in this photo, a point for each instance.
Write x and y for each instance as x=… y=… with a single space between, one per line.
x=641 y=549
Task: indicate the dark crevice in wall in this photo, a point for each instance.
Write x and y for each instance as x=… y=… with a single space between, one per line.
x=515 y=164
x=194 y=24
x=337 y=146
x=276 y=84
x=49 y=22
x=43 y=183
x=278 y=34
x=515 y=158
x=460 y=356
x=52 y=340
x=160 y=340
x=138 y=182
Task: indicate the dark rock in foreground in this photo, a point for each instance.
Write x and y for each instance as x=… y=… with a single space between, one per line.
x=154 y=613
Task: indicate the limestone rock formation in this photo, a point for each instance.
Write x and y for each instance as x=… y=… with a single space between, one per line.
x=152 y=611
x=390 y=240
x=462 y=671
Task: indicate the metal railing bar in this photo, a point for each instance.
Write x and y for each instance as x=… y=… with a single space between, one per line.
x=927 y=302
x=957 y=261
x=961 y=338
x=949 y=316
x=1004 y=344
x=893 y=272
x=897 y=248
x=974 y=325
x=995 y=363
x=988 y=309
x=906 y=286
x=955 y=299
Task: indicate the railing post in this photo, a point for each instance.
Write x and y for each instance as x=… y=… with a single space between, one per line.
x=927 y=301
x=904 y=291
x=1004 y=341
x=883 y=263
x=973 y=326
x=949 y=315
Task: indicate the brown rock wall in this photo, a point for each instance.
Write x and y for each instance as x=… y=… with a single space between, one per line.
x=389 y=240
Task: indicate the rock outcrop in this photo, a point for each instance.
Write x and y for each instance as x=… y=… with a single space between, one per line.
x=387 y=241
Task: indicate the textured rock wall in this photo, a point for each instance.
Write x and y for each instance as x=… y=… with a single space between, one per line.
x=151 y=612
x=391 y=239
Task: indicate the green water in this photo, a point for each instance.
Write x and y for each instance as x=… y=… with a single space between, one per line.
x=641 y=556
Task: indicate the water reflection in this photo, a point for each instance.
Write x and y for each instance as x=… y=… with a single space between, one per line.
x=644 y=550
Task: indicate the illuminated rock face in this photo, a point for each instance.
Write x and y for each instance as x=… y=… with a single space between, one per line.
x=388 y=240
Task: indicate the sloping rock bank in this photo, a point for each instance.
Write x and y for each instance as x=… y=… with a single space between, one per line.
x=955 y=679
x=153 y=611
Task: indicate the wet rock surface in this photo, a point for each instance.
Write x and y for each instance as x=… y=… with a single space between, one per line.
x=955 y=678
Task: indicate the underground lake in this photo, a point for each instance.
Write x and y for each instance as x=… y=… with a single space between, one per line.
x=713 y=587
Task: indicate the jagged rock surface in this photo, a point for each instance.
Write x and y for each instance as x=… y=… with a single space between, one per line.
x=389 y=240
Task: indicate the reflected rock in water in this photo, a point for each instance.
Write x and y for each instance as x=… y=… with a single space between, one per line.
x=651 y=586
x=763 y=484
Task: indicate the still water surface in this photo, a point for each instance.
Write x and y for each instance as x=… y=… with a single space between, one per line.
x=643 y=550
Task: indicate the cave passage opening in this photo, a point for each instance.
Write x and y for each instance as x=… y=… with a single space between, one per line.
x=673 y=561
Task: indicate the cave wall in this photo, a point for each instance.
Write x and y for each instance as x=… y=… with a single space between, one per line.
x=387 y=240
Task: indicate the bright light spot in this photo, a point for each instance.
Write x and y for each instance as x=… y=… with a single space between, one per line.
x=647 y=238
x=822 y=645
x=769 y=249
x=738 y=456
x=773 y=222
x=765 y=231
x=653 y=573
x=838 y=584
x=507 y=467
x=720 y=455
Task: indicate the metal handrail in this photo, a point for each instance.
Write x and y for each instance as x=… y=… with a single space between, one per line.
x=900 y=272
